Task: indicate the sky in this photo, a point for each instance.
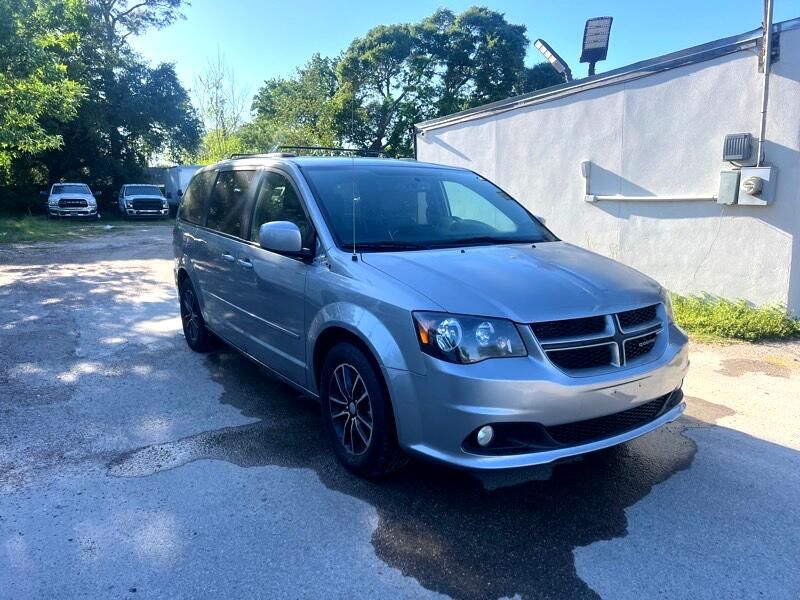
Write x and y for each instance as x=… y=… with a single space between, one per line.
x=261 y=39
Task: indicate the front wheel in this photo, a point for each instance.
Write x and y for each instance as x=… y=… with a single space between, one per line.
x=357 y=415
x=197 y=335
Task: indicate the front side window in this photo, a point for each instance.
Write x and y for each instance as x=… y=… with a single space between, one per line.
x=277 y=200
x=411 y=207
x=71 y=188
x=195 y=200
x=231 y=192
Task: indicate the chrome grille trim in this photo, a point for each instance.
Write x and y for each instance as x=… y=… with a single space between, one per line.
x=614 y=336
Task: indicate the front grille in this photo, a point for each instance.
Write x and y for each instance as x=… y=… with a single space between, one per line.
x=631 y=319
x=605 y=342
x=636 y=347
x=549 y=330
x=586 y=357
x=146 y=204
x=72 y=203
x=582 y=432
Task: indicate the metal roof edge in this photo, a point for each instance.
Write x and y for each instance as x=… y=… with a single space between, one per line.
x=673 y=60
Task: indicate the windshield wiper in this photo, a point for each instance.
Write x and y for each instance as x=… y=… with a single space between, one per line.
x=482 y=240
x=390 y=246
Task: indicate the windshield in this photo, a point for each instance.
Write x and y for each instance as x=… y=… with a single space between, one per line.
x=71 y=188
x=142 y=190
x=418 y=207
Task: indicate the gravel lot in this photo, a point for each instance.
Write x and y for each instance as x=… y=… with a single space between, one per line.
x=131 y=467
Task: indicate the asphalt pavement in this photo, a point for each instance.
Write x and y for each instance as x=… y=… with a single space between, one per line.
x=131 y=467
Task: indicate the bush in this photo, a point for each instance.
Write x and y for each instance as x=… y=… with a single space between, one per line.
x=710 y=316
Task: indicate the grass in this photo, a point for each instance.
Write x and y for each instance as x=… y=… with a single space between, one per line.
x=37 y=229
x=711 y=318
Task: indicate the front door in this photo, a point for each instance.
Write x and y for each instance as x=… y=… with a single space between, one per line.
x=273 y=290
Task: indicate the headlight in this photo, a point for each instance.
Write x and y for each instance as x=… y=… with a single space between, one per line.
x=53 y=201
x=165 y=204
x=667 y=301
x=466 y=339
x=129 y=203
x=92 y=202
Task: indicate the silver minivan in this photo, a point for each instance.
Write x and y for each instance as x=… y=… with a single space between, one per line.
x=429 y=312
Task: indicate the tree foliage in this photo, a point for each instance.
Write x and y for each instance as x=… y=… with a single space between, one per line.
x=395 y=76
x=77 y=102
x=36 y=91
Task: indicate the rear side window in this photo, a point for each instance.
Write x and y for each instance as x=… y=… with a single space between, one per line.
x=194 y=201
x=226 y=211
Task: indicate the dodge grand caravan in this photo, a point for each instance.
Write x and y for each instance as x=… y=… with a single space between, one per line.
x=428 y=311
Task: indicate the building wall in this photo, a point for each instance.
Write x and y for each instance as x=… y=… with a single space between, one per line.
x=658 y=135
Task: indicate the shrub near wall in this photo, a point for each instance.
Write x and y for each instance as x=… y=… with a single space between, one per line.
x=710 y=316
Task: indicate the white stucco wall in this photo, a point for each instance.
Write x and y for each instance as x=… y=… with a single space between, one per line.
x=658 y=135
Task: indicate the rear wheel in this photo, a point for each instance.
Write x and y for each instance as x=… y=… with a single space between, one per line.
x=197 y=335
x=356 y=413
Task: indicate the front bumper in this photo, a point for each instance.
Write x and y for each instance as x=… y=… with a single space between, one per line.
x=134 y=212
x=437 y=411
x=89 y=211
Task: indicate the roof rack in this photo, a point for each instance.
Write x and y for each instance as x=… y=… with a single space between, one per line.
x=357 y=151
x=261 y=154
x=281 y=152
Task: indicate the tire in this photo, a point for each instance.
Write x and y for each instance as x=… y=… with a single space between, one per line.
x=357 y=415
x=197 y=335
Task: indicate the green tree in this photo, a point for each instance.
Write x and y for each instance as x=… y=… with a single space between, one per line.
x=297 y=111
x=384 y=82
x=132 y=112
x=37 y=94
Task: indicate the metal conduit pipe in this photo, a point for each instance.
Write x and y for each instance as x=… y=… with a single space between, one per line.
x=767 y=50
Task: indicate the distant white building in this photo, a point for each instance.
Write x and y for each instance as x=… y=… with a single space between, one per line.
x=630 y=164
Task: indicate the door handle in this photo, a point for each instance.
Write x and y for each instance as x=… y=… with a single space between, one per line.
x=245 y=262
x=228 y=257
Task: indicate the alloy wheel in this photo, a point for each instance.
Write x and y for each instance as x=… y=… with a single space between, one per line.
x=190 y=314
x=351 y=410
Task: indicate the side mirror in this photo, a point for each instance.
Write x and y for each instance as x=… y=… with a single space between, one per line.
x=281 y=236
x=180 y=193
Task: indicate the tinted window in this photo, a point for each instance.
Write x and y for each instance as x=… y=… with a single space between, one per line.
x=278 y=201
x=230 y=195
x=194 y=201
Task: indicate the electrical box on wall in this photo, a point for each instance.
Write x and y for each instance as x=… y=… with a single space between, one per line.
x=728 y=187
x=757 y=186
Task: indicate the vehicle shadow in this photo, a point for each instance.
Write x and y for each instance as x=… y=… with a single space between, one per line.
x=448 y=529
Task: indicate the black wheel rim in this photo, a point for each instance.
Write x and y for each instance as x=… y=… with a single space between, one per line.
x=190 y=315
x=351 y=409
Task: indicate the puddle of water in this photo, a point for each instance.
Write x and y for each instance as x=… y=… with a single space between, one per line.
x=456 y=533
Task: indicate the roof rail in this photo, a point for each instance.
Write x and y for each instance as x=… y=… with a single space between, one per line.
x=330 y=149
x=261 y=154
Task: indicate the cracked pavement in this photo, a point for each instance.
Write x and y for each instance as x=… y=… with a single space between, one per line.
x=132 y=468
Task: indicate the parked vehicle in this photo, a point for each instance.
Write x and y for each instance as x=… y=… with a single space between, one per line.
x=429 y=312
x=176 y=180
x=137 y=200
x=71 y=200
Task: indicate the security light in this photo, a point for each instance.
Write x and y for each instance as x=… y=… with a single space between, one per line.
x=559 y=64
x=595 y=41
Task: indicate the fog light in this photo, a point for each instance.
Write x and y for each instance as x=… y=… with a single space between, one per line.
x=485 y=435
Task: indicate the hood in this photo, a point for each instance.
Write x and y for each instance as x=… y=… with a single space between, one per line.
x=67 y=195
x=553 y=280
x=144 y=197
